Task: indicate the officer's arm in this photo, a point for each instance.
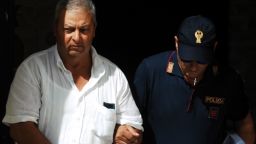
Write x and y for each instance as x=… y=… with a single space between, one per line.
x=27 y=133
x=245 y=128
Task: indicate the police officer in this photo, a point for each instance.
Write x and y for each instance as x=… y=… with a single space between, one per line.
x=187 y=99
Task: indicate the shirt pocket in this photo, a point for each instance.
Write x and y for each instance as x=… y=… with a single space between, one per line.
x=104 y=122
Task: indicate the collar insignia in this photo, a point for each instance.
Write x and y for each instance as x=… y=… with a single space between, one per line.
x=169 y=67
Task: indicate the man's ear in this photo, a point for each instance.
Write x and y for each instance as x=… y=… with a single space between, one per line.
x=176 y=41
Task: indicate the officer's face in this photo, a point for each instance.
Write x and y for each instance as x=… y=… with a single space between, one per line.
x=75 y=32
x=193 y=71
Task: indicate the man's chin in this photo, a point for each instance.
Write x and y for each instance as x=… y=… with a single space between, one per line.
x=73 y=53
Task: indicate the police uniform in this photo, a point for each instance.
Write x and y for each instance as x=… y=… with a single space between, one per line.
x=175 y=113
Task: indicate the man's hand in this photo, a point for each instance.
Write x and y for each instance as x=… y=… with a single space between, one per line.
x=125 y=134
x=27 y=133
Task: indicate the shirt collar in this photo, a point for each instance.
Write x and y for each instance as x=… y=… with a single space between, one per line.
x=97 y=63
x=58 y=59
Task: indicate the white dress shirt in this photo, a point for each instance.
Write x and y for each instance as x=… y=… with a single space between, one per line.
x=43 y=91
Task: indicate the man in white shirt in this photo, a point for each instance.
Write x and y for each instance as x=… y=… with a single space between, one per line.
x=69 y=94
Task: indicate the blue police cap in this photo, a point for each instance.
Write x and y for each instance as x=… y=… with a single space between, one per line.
x=196 y=39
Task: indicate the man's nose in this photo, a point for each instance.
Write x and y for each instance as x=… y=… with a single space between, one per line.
x=76 y=36
x=193 y=66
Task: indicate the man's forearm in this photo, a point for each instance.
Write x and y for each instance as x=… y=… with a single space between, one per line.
x=27 y=133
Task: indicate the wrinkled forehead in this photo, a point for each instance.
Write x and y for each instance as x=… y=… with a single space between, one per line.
x=76 y=12
x=75 y=15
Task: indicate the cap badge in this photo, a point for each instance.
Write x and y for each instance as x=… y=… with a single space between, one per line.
x=199 y=35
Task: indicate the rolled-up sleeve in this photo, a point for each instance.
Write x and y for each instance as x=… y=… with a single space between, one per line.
x=127 y=110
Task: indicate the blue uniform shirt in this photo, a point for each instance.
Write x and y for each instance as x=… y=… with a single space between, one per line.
x=163 y=100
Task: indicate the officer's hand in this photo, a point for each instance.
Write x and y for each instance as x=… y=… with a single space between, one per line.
x=125 y=134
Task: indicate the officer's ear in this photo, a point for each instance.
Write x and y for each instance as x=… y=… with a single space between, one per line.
x=176 y=41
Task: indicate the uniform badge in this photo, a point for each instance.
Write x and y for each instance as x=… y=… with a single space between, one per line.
x=214 y=100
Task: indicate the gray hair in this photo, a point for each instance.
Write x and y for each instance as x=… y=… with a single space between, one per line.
x=73 y=4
